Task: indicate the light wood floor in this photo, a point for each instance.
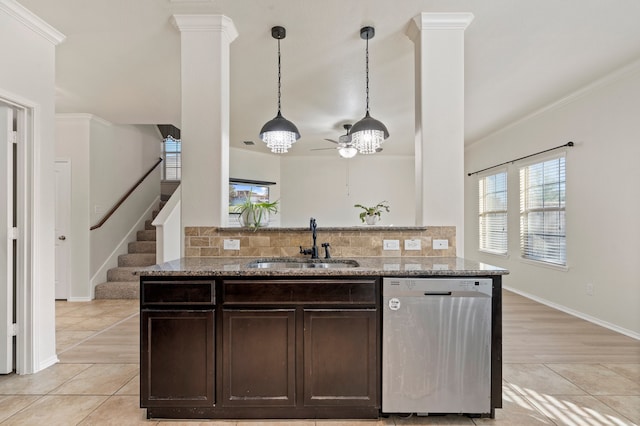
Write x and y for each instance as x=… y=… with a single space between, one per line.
x=558 y=370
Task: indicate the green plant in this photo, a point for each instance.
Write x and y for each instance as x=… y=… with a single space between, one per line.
x=255 y=214
x=373 y=211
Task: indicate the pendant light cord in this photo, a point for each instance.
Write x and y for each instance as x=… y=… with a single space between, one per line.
x=367 y=73
x=279 y=75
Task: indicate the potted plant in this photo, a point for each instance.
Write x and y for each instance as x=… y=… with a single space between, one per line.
x=371 y=215
x=255 y=214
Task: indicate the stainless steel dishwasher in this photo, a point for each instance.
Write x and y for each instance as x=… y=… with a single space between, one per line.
x=436 y=345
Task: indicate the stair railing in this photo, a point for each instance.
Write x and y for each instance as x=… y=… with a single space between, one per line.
x=124 y=197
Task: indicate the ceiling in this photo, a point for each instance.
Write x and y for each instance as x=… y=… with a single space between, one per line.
x=121 y=60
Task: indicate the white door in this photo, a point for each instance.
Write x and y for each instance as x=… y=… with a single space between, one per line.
x=63 y=223
x=6 y=239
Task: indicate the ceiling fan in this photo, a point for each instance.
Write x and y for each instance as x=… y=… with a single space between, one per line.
x=345 y=148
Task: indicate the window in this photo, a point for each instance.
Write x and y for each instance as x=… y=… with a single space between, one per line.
x=492 y=209
x=542 y=211
x=171 y=153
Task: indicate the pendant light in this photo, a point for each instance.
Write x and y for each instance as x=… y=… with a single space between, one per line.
x=279 y=133
x=368 y=134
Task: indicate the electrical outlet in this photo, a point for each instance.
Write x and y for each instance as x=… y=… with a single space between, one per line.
x=390 y=244
x=589 y=289
x=412 y=245
x=440 y=244
x=231 y=244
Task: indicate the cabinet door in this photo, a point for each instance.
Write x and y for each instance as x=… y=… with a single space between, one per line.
x=177 y=363
x=258 y=357
x=340 y=358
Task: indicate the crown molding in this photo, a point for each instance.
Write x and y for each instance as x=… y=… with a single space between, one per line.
x=218 y=23
x=31 y=21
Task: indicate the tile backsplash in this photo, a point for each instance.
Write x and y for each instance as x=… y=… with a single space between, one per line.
x=201 y=241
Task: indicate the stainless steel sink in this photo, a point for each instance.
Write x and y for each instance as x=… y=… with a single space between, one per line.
x=287 y=263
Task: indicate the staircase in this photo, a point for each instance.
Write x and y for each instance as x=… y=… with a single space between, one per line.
x=121 y=281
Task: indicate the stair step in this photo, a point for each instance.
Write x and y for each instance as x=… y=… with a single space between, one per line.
x=146 y=235
x=154 y=214
x=118 y=290
x=148 y=226
x=142 y=247
x=137 y=259
x=123 y=273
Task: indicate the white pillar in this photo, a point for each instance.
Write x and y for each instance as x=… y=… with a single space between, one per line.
x=205 y=41
x=439 y=132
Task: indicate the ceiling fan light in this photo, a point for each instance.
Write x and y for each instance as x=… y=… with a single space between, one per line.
x=347 y=152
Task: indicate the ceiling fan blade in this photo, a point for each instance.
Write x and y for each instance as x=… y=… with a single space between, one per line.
x=320 y=149
x=331 y=140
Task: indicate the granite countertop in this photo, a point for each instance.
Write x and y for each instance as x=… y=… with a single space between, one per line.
x=368 y=266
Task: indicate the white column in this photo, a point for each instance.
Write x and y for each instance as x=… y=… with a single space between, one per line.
x=205 y=41
x=439 y=144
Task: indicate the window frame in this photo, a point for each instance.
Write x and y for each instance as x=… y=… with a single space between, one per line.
x=484 y=213
x=541 y=256
x=178 y=155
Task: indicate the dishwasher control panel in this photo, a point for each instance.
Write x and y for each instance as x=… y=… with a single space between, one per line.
x=452 y=286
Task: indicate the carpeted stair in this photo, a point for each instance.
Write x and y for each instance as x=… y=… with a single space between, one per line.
x=121 y=281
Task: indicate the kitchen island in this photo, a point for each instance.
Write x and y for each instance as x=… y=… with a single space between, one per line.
x=223 y=338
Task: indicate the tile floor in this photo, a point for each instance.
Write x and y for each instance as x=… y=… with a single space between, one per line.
x=558 y=370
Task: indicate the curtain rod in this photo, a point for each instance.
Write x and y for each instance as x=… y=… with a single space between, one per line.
x=521 y=158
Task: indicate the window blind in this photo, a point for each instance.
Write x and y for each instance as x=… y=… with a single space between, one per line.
x=492 y=209
x=172 y=165
x=542 y=211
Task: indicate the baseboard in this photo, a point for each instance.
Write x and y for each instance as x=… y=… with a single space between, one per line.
x=594 y=320
x=79 y=299
x=122 y=248
x=48 y=363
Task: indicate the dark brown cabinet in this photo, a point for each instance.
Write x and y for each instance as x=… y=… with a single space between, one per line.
x=283 y=347
x=309 y=345
x=340 y=357
x=258 y=358
x=177 y=365
x=177 y=330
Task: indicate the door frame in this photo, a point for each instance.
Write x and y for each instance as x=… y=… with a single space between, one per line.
x=67 y=173
x=27 y=115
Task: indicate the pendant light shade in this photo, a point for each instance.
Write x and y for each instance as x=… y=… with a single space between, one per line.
x=368 y=134
x=279 y=133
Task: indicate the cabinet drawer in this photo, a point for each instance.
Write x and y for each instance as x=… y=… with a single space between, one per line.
x=307 y=291
x=177 y=293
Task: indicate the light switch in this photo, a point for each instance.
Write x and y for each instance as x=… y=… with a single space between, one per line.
x=412 y=245
x=390 y=244
x=440 y=244
x=231 y=244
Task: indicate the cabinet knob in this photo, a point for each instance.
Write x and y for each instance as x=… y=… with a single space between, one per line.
x=62 y=238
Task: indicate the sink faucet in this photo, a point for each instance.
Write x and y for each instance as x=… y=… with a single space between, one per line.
x=313 y=251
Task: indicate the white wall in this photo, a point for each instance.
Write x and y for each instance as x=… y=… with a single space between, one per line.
x=27 y=77
x=326 y=188
x=119 y=156
x=73 y=135
x=603 y=200
x=106 y=161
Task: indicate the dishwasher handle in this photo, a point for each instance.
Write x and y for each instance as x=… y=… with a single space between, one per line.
x=437 y=293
